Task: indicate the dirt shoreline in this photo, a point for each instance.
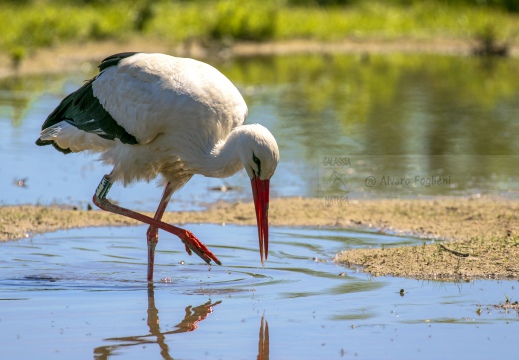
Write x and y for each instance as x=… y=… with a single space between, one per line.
x=77 y=57
x=482 y=233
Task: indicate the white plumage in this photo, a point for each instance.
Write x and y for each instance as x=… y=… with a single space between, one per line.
x=151 y=114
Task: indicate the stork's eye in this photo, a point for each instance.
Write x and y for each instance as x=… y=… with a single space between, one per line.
x=258 y=163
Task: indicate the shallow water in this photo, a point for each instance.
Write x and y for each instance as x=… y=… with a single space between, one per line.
x=78 y=293
x=348 y=127
x=404 y=126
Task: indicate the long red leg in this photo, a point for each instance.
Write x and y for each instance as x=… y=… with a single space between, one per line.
x=187 y=237
x=153 y=232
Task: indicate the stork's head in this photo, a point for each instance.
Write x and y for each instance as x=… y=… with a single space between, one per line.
x=260 y=157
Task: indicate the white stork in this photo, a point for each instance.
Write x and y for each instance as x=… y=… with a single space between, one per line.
x=151 y=114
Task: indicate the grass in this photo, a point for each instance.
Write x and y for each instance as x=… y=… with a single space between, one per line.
x=42 y=23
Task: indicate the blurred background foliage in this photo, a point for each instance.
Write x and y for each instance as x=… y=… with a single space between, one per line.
x=507 y=5
x=30 y=24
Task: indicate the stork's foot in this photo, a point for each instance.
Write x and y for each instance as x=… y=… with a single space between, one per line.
x=193 y=244
x=190 y=241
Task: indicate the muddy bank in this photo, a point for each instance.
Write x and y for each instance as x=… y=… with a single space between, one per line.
x=482 y=233
x=80 y=57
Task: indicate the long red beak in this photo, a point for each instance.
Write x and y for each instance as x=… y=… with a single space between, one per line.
x=260 y=191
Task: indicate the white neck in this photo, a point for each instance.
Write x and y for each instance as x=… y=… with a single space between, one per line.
x=238 y=151
x=225 y=159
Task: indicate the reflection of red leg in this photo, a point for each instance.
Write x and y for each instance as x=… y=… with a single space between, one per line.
x=263 y=344
x=189 y=240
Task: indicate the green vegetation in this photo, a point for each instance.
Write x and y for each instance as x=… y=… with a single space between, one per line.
x=30 y=24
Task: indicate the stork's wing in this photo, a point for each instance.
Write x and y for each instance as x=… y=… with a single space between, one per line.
x=138 y=96
x=113 y=60
x=152 y=94
x=83 y=110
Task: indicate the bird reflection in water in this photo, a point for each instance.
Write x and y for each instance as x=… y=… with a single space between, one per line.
x=193 y=316
x=263 y=343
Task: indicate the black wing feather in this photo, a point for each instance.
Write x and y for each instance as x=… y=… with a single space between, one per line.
x=114 y=59
x=84 y=111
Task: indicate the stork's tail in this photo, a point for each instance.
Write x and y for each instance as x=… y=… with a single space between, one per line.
x=49 y=136
x=67 y=138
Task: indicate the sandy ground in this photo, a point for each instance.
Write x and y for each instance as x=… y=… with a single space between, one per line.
x=74 y=57
x=482 y=232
